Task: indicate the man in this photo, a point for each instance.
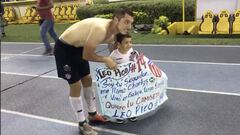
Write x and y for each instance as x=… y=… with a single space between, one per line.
x=75 y=47
x=46 y=23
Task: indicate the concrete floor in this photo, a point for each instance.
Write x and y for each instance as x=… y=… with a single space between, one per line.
x=204 y=93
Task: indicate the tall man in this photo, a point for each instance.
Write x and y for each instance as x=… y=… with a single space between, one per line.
x=75 y=47
x=46 y=23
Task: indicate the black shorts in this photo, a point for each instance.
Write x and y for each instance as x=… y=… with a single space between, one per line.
x=70 y=65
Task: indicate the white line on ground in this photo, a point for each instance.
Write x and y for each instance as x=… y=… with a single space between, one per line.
x=22 y=43
x=193 y=62
x=169 y=88
x=63 y=122
x=31 y=75
x=31 y=50
x=204 y=91
x=156 y=45
x=25 y=55
x=22 y=53
x=159 y=61
x=140 y=44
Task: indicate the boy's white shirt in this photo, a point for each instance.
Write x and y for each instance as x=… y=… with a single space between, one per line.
x=119 y=57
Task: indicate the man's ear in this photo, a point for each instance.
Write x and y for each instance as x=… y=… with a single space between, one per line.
x=115 y=19
x=118 y=44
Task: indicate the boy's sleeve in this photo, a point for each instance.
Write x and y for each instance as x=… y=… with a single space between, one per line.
x=112 y=55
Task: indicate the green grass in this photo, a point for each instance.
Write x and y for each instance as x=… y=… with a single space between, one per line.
x=30 y=33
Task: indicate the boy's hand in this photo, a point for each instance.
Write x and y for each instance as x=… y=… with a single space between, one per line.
x=110 y=63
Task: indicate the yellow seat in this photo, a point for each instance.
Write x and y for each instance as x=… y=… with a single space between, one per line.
x=207 y=24
x=6 y=12
x=89 y=2
x=69 y=11
x=63 y=12
x=56 y=13
x=12 y=16
x=223 y=23
x=236 y=23
x=27 y=16
x=33 y=14
x=73 y=15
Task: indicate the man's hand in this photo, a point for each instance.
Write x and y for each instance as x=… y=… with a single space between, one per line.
x=110 y=63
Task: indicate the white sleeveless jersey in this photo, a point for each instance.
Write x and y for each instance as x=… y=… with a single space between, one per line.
x=119 y=57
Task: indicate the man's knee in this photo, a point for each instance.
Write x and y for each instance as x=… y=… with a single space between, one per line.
x=87 y=81
x=75 y=89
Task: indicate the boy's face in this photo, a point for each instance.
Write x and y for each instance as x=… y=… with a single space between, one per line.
x=125 y=45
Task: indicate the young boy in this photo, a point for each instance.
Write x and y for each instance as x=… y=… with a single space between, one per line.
x=122 y=54
x=124 y=49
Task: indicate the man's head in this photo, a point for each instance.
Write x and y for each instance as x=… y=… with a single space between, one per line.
x=124 y=42
x=123 y=19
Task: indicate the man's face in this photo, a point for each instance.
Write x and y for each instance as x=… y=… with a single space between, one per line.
x=125 y=45
x=124 y=24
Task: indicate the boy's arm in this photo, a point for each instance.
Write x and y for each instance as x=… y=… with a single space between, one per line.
x=112 y=55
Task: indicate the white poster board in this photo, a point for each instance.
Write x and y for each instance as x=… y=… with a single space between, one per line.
x=134 y=89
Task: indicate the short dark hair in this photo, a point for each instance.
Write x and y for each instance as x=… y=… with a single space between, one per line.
x=120 y=37
x=119 y=13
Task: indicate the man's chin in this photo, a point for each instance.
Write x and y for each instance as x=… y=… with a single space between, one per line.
x=124 y=32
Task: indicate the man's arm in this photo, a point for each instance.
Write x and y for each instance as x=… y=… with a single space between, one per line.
x=95 y=38
x=90 y=55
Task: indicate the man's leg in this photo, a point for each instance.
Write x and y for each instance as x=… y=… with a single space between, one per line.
x=44 y=28
x=77 y=106
x=91 y=100
x=76 y=100
x=89 y=93
x=52 y=32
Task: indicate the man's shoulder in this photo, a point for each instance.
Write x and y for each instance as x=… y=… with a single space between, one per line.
x=96 y=20
x=93 y=22
x=114 y=53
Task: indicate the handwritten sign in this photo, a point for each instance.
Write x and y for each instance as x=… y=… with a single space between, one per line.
x=134 y=89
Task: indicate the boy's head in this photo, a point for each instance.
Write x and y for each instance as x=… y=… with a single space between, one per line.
x=124 y=42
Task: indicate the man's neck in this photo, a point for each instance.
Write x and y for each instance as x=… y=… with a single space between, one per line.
x=112 y=28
